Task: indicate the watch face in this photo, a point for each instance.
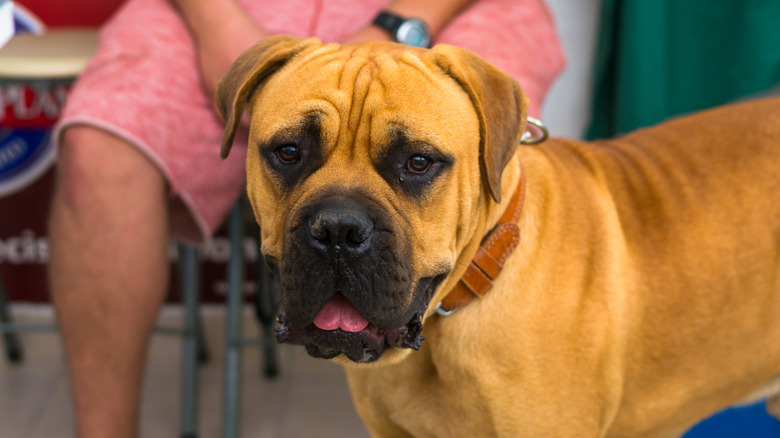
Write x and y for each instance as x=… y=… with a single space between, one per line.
x=414 y=32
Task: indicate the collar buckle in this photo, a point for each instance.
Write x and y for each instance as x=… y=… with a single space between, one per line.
x=535 y=132
x=439 y=310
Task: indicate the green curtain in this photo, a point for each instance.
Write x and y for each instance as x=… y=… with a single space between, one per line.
x=661 y=58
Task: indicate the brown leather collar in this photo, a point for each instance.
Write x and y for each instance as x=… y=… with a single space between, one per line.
x=489 y=260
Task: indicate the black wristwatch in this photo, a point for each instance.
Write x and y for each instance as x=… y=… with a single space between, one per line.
x=410 y=31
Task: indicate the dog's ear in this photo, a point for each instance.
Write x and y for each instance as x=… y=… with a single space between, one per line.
x=248 y=72
x=501 y=107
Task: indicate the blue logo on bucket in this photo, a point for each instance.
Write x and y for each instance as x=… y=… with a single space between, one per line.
x=25 y=127
x=25 y=153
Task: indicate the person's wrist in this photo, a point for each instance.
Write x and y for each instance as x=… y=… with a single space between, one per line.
x=368 y=33
x=377 y=33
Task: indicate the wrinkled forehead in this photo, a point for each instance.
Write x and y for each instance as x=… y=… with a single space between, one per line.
x=374 y=85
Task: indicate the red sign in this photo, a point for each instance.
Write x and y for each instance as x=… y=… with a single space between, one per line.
x=57 y=13
x=32 y=104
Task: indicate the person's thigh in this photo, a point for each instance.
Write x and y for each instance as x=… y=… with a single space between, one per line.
x=143 y=87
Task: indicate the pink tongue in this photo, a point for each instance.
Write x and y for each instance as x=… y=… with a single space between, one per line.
x=340 y=313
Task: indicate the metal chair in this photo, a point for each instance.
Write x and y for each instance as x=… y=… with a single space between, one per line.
x=194 y=350
x=264 y=309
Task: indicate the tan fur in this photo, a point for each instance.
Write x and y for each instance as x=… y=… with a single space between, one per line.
x=645 y=292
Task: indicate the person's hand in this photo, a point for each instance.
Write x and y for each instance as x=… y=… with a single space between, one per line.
x=222 y=31
x=367 y=33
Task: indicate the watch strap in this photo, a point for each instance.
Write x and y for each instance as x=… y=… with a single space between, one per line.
x=390 y=22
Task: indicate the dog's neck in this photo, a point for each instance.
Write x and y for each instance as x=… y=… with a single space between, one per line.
x=488 y=258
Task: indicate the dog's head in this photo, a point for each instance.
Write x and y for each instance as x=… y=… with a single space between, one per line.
x=370 y=167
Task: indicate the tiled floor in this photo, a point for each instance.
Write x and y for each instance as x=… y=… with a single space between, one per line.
x=309 y=398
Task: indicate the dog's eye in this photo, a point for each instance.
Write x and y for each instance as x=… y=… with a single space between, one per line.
x=288 y=153
x=418 y=164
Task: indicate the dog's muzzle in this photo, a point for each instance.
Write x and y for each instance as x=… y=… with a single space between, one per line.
x=347 y=284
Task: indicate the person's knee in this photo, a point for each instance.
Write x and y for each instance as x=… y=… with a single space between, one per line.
x=96 y=167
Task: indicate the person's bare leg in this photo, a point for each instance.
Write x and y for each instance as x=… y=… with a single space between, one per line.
x=109 y=272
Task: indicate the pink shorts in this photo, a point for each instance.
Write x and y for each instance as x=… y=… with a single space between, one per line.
x=143 y=84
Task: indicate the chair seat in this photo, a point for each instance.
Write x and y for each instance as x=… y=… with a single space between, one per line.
x=59 y=53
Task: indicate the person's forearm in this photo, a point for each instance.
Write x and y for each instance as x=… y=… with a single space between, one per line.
x=203 y=16
x=221 y=31
x=200 y=13
x=435 y=13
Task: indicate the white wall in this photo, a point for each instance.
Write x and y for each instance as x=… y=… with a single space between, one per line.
x=567 y=109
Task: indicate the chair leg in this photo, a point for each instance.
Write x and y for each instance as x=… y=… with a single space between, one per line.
x=13 y=348
x=203 y=351
x=232 y=382
x=192 y=340
x=265 y=311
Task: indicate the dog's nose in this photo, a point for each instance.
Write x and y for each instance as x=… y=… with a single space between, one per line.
x=347 y=228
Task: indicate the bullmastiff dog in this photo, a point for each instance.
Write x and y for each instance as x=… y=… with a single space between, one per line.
x=629 y=287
